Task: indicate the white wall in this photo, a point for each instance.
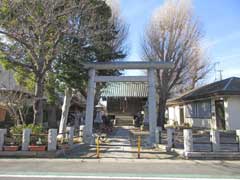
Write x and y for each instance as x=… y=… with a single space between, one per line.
x=232 y=112
x=177 y=114
x=232 y=115
x=174 y=114
x=171 y=113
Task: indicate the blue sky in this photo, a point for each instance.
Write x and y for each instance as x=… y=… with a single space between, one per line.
x=220 y=21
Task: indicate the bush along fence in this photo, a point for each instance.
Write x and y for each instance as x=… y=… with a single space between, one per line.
x=28 y=140
x=203 y=144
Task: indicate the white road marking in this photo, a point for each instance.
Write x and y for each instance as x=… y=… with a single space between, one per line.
x=106 y=177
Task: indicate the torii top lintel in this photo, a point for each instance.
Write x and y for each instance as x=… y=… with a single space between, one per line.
x=128 y=65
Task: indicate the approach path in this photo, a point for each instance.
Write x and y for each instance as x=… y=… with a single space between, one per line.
x=121 y=144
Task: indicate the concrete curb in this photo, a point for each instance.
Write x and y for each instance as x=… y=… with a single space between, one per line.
x=212 y=155
x=28 y=154
x=164 y=147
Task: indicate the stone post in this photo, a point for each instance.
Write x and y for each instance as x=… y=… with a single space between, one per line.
x=70 y=135
x=215 y=139
x=52 y=139
x=152 y=104
x=158 y=135
x=238 y=138
x=146 y=118
x=81 y=129
x=2 y=134
x=89 y=107
x=170 y=138
x=114 y=122
x=188 y=140
x=26 y=135
x=133 y=122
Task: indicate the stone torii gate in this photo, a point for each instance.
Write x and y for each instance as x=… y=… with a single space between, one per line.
x=93 y=79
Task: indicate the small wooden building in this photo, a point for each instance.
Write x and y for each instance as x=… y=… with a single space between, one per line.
x=125 y=98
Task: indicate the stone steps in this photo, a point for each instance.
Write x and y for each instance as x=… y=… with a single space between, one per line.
x=124 y=120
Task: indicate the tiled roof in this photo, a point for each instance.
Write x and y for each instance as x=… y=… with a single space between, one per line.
x=230 y=86
x=125 y=89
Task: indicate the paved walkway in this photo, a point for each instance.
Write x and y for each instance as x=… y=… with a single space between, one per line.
x=121 y=144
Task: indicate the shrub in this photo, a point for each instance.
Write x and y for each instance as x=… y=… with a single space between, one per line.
x=187 y=125
x=36 y=132
x=36 y=129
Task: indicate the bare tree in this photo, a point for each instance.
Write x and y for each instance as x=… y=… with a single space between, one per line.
x=120 y=26
x=173 y=35
x=17 y=103
x=197 y=70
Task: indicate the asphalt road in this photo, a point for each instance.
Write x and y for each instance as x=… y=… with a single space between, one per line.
x=52 y=169
x=97 y=178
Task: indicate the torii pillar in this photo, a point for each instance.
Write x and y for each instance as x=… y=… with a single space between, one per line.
x=89 y=106
x=152 y=109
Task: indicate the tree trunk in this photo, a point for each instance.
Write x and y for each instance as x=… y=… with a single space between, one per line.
x=161 y=112
x=52 y=119
x=21 y=120
x=38 y=101
x=65 y=110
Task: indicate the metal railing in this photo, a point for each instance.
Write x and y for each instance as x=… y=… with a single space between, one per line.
x=205 y=142
x=231 y=143
x=220 y=142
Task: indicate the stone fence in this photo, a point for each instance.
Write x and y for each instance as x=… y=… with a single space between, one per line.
x=215 y=140
x=51 y=138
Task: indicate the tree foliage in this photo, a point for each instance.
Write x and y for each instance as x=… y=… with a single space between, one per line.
x=104 y=46
x=34 y=31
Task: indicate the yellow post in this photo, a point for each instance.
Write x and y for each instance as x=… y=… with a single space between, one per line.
x=139 y=146
x=98 y=148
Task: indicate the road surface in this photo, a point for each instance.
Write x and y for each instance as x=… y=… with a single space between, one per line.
x=52 y=169
x=90 y=178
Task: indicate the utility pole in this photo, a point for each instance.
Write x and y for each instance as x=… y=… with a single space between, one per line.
x=220 y=74
x=217 y=70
